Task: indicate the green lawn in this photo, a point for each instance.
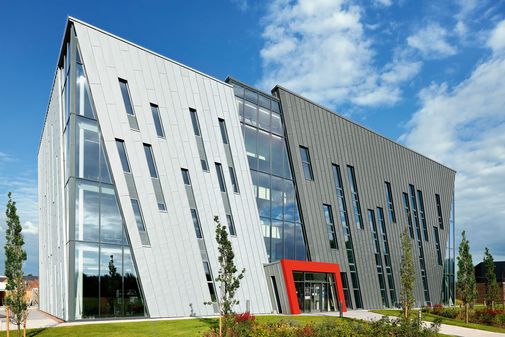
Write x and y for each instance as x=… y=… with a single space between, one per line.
x=180 y=327
x=449 y=321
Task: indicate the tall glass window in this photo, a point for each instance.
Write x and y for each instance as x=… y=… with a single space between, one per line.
x=125 y=92
x=122 y=155
x=406 y=206
x=231 y=225
x=271 y=173
x=437 y=245
x=378 y=258
x=196 y=223
x=82 y=94
x=104 y=277
x=233 y=178
x=210 y=281
x=439 y=212
x=391 y=205
x=387 y=256
x=355 y=198
x=220 y=177
x=185 y=176
x=422 y=215
x=194 y=122
x=150 y=160
x=344 y=219
x=157 y=120
x=330 y=226
x=448 y=283
x=137 y=212
x=306 y=164
x=222 y=127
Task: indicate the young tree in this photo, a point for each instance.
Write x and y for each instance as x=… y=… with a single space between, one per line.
x=407 y=276
x=466 y=275
x=492 y=289
x=15 y=255
x=228 y=275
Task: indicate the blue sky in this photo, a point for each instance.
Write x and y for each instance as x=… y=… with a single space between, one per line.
x=428 y=74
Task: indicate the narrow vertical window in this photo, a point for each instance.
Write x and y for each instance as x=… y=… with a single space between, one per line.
x=233 y=178
x=437 y=245
x=224 y=133
x=378 y=258
x=220 y=177
x=231 y=225
x=196 y=223
x=185 y=176
x=344 y=219
x=330 y=226
x=387 y=256
x=138 y=215
x=306 y=164
x=439 y=211
x=150 y=161
x=422 y=214
x=194 y=121
x=122 y=155
x=210 y=282
x=406 y=206
x=125 y=92
x=355 y=197
x=391 y=206
x=157 y=120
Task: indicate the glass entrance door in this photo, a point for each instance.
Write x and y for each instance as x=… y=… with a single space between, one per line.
x=317 y=296
x=315 y=291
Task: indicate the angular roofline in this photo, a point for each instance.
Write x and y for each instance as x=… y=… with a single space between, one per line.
x=72 y=19
x=247 y=86
x=280 y=87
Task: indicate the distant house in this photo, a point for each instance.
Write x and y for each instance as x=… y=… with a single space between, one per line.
x=32 y=289
x=480 y=277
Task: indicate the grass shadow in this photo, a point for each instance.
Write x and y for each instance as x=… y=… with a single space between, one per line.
x=34 y=332
x=212 y=323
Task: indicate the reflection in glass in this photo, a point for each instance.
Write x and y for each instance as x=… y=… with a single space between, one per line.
x=138 y=215
x=263 y=151
x=82 y=97
x=87 y=206
x=111 y=225
x=86 y=278
x=111 y=281
x=90 y=160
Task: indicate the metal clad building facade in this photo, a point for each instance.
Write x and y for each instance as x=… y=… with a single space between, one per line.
x=139 y=154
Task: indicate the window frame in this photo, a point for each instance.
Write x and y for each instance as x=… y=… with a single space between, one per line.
x=129 y=96
x=152 y=167
x=120 y=142
x=197 y=131
x=306 y=163
x=155 y=110
x=183 y=171
x=330 y=226
x=224 y=131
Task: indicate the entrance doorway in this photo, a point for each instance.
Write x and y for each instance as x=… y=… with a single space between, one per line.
x=316 y=292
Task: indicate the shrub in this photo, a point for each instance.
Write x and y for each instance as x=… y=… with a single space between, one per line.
x=489 y=316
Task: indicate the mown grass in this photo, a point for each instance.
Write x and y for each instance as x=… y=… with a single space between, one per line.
x=449 y=321
x=180 y=327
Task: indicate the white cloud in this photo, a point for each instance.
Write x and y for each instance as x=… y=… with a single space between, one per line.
x=496 y=39
x=319 y=48
x=385 y=3
x=431 y=41
x=464 y=127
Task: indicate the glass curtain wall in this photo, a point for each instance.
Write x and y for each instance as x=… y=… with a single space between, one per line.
x=104 y=279
x=274 y=188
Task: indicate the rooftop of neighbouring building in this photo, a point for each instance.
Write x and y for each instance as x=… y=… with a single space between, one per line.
x=480 y=272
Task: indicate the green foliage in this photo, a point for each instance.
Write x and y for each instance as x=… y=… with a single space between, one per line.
x=407 y=276
x=330 y=327
x=492 y=293
x=228 y=275
x=465 y=284
x=15 y=255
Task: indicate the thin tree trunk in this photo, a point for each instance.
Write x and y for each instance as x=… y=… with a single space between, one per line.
x=466 y=312
x=7 y=320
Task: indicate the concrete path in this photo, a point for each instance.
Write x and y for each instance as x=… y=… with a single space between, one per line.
x=36 y=319
x=445 y=329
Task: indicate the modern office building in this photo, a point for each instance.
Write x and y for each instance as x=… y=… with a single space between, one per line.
x=139 y=154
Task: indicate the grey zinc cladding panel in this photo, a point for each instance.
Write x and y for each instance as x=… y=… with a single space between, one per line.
x=334 y=139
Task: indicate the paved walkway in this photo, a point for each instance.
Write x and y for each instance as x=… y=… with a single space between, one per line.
x=445 y=329
x=36 y=319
